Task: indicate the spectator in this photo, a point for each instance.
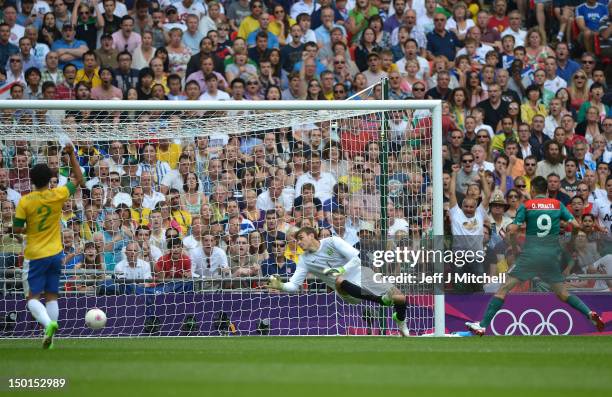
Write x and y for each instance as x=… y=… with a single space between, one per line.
x=48 y=32
x=277 y=263
x=174 y=264
x=68 y=49
x=588 y=17
x=133 y=267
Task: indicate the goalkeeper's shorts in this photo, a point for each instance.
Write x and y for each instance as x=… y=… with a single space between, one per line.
x=365 y=279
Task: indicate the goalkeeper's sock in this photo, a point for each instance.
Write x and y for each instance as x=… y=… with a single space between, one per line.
x=39 y=312
x=355 y=291
x=52 y=310
x=579 y=305
x=494 y=305
x=400 y=311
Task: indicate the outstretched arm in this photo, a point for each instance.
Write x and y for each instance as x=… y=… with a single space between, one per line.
x=452 y=193
x=74 y=165
x=486 y=188
x=294 y=283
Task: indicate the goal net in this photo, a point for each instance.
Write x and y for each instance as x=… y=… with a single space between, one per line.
x=189 y=207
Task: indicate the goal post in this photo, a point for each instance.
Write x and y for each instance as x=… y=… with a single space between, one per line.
x=414 y=126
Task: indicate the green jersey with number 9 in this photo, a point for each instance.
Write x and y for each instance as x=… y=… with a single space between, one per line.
x=542 y=216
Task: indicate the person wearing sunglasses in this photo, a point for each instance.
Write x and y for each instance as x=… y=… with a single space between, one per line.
x=251 y=22
x=514 y=198
x=466 y=175
x=418 y=90
x=442 y=41
x=277 y=263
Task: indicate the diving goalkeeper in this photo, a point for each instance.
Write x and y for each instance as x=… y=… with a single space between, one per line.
x=337 y=264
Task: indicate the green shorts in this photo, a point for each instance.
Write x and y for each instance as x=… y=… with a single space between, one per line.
x=545 y=264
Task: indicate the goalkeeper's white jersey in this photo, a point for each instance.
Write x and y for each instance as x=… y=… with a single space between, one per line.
x=334 y=252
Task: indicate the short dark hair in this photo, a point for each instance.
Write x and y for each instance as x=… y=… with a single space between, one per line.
x=306 y=230
x=174 y=242
x=40 y=175
x=68 y=65
x=539 y=184
x=122 y=53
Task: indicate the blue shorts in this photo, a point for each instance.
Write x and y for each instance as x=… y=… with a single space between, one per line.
x=42 y=275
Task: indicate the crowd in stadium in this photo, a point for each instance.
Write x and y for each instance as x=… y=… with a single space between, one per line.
x=524 y=90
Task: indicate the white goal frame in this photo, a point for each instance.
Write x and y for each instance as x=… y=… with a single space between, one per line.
x=435 y=106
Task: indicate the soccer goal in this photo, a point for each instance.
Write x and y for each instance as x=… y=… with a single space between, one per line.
x=234 y=180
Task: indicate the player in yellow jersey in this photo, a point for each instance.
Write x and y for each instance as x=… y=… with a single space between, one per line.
x=38 y=217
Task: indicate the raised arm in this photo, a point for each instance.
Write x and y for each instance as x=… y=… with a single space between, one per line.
x=75 y=12
x=452 y=193
x=486 y=188
x=74 y=165
x=99 y=18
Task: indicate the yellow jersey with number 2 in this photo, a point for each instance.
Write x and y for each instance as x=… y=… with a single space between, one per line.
x=40 y=212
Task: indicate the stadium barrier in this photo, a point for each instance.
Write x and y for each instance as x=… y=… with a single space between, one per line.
x=261 y=313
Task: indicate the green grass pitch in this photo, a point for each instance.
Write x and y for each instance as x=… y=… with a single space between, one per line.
x=317 y=366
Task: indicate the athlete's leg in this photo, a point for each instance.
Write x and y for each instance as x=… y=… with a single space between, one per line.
x=354 y=290
x=495 y=304
x=52 y=285
x=561 y=291
x=34 y=275
x=52 y=306
x=38 y=310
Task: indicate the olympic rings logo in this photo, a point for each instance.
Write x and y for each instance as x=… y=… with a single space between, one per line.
x=523 y=328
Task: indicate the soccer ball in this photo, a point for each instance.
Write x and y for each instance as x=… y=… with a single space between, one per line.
x=95 y=319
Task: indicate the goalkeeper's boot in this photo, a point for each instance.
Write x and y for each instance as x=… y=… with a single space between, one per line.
x=597 y=321
x=50 y=331
x=475 y=328
x=403 y=328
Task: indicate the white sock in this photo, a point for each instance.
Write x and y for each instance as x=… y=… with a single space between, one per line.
x=39 y=312
x=52 y=310
x=560 y=36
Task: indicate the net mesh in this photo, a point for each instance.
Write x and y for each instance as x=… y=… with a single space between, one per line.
x=234 y=186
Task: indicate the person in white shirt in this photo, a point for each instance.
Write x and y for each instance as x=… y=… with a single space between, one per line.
x=133 y=267
x=151 y=196
x=175 y=179
x=481 y=49
x=114 y=192
x=514 y=29
x=208 y=260
x=212 y=90
x=468 y=220
x=480 y=157
x=276 y=193
x=336 y=263
x=411 y=51
x=187 y=7
x=323 y=181
x=553 y=83
x=553 y=120
x=308 y=34
x=602 y=209
x=10 y=18
x=303 y=7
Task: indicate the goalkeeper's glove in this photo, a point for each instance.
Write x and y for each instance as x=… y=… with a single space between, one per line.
x=334 y=271
x=275 y=283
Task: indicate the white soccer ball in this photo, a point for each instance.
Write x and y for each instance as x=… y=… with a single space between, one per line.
x=95 y=319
